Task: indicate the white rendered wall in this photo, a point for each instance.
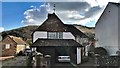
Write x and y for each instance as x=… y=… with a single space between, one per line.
x=39 y=34
x=68 y=35
x=119 y=27
x=106 y=30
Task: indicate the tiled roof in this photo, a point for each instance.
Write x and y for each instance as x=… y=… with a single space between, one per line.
x=76 y=32
x=55 y=42
x=17 y=40
x=53 y=23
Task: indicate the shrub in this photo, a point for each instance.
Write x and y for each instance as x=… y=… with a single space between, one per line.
x=91 y=48
x=118 y=52
x=100 y=51
x=85 y=59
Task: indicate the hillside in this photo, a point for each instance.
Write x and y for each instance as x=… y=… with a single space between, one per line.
x=25 y=32
x=89 y=31
x=85 y=29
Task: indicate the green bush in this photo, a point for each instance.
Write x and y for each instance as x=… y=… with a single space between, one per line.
x=91 y=48
x=100 y=51
x=85 y=59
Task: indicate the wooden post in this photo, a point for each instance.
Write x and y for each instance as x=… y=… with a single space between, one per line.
x=29 y=60
x=34 y=54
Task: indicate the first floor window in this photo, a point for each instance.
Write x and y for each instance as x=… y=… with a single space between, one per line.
x=7 y=46
x=55 y=35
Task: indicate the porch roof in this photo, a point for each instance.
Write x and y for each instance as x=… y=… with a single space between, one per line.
x=55 y=42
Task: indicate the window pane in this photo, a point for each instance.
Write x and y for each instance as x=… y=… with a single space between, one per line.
x=60 y=35
x=51 y=35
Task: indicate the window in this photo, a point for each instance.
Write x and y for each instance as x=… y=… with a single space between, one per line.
x=55 y=35
x=7 y=46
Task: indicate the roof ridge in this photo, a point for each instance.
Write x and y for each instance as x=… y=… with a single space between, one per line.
x=17 y=40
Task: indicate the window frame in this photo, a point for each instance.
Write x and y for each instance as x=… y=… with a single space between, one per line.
x=56 y=35
x=7 y=46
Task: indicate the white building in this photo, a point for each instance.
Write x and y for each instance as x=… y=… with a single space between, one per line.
x=107 y=28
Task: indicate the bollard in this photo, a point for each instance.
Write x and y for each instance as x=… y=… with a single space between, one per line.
x=96 y=59
x=48 y=60
x=39 y=59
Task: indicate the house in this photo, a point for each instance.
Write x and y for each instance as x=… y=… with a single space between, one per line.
x=107 y=28
x=55 y=38
x=12 y=45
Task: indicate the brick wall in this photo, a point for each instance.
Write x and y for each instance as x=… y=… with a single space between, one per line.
x=11 y=50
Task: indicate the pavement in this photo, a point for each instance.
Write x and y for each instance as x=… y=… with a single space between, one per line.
x=7 y=57
x=89 y=64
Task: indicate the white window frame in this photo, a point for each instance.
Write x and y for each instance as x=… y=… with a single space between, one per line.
x=55 y=35
x=7 y=46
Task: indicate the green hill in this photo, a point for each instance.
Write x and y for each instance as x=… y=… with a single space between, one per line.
x=25 y=32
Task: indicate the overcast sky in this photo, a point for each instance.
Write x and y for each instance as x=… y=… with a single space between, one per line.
x=69 y=12
x=83 y=12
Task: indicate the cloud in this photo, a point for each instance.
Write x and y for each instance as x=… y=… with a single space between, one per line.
x=36 y=15
x=69 y=11
x=77 y=12
x=1 y=29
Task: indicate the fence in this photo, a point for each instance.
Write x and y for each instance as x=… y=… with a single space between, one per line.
x=108 y=61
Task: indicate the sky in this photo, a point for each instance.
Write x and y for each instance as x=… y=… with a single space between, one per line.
x=19 y=14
